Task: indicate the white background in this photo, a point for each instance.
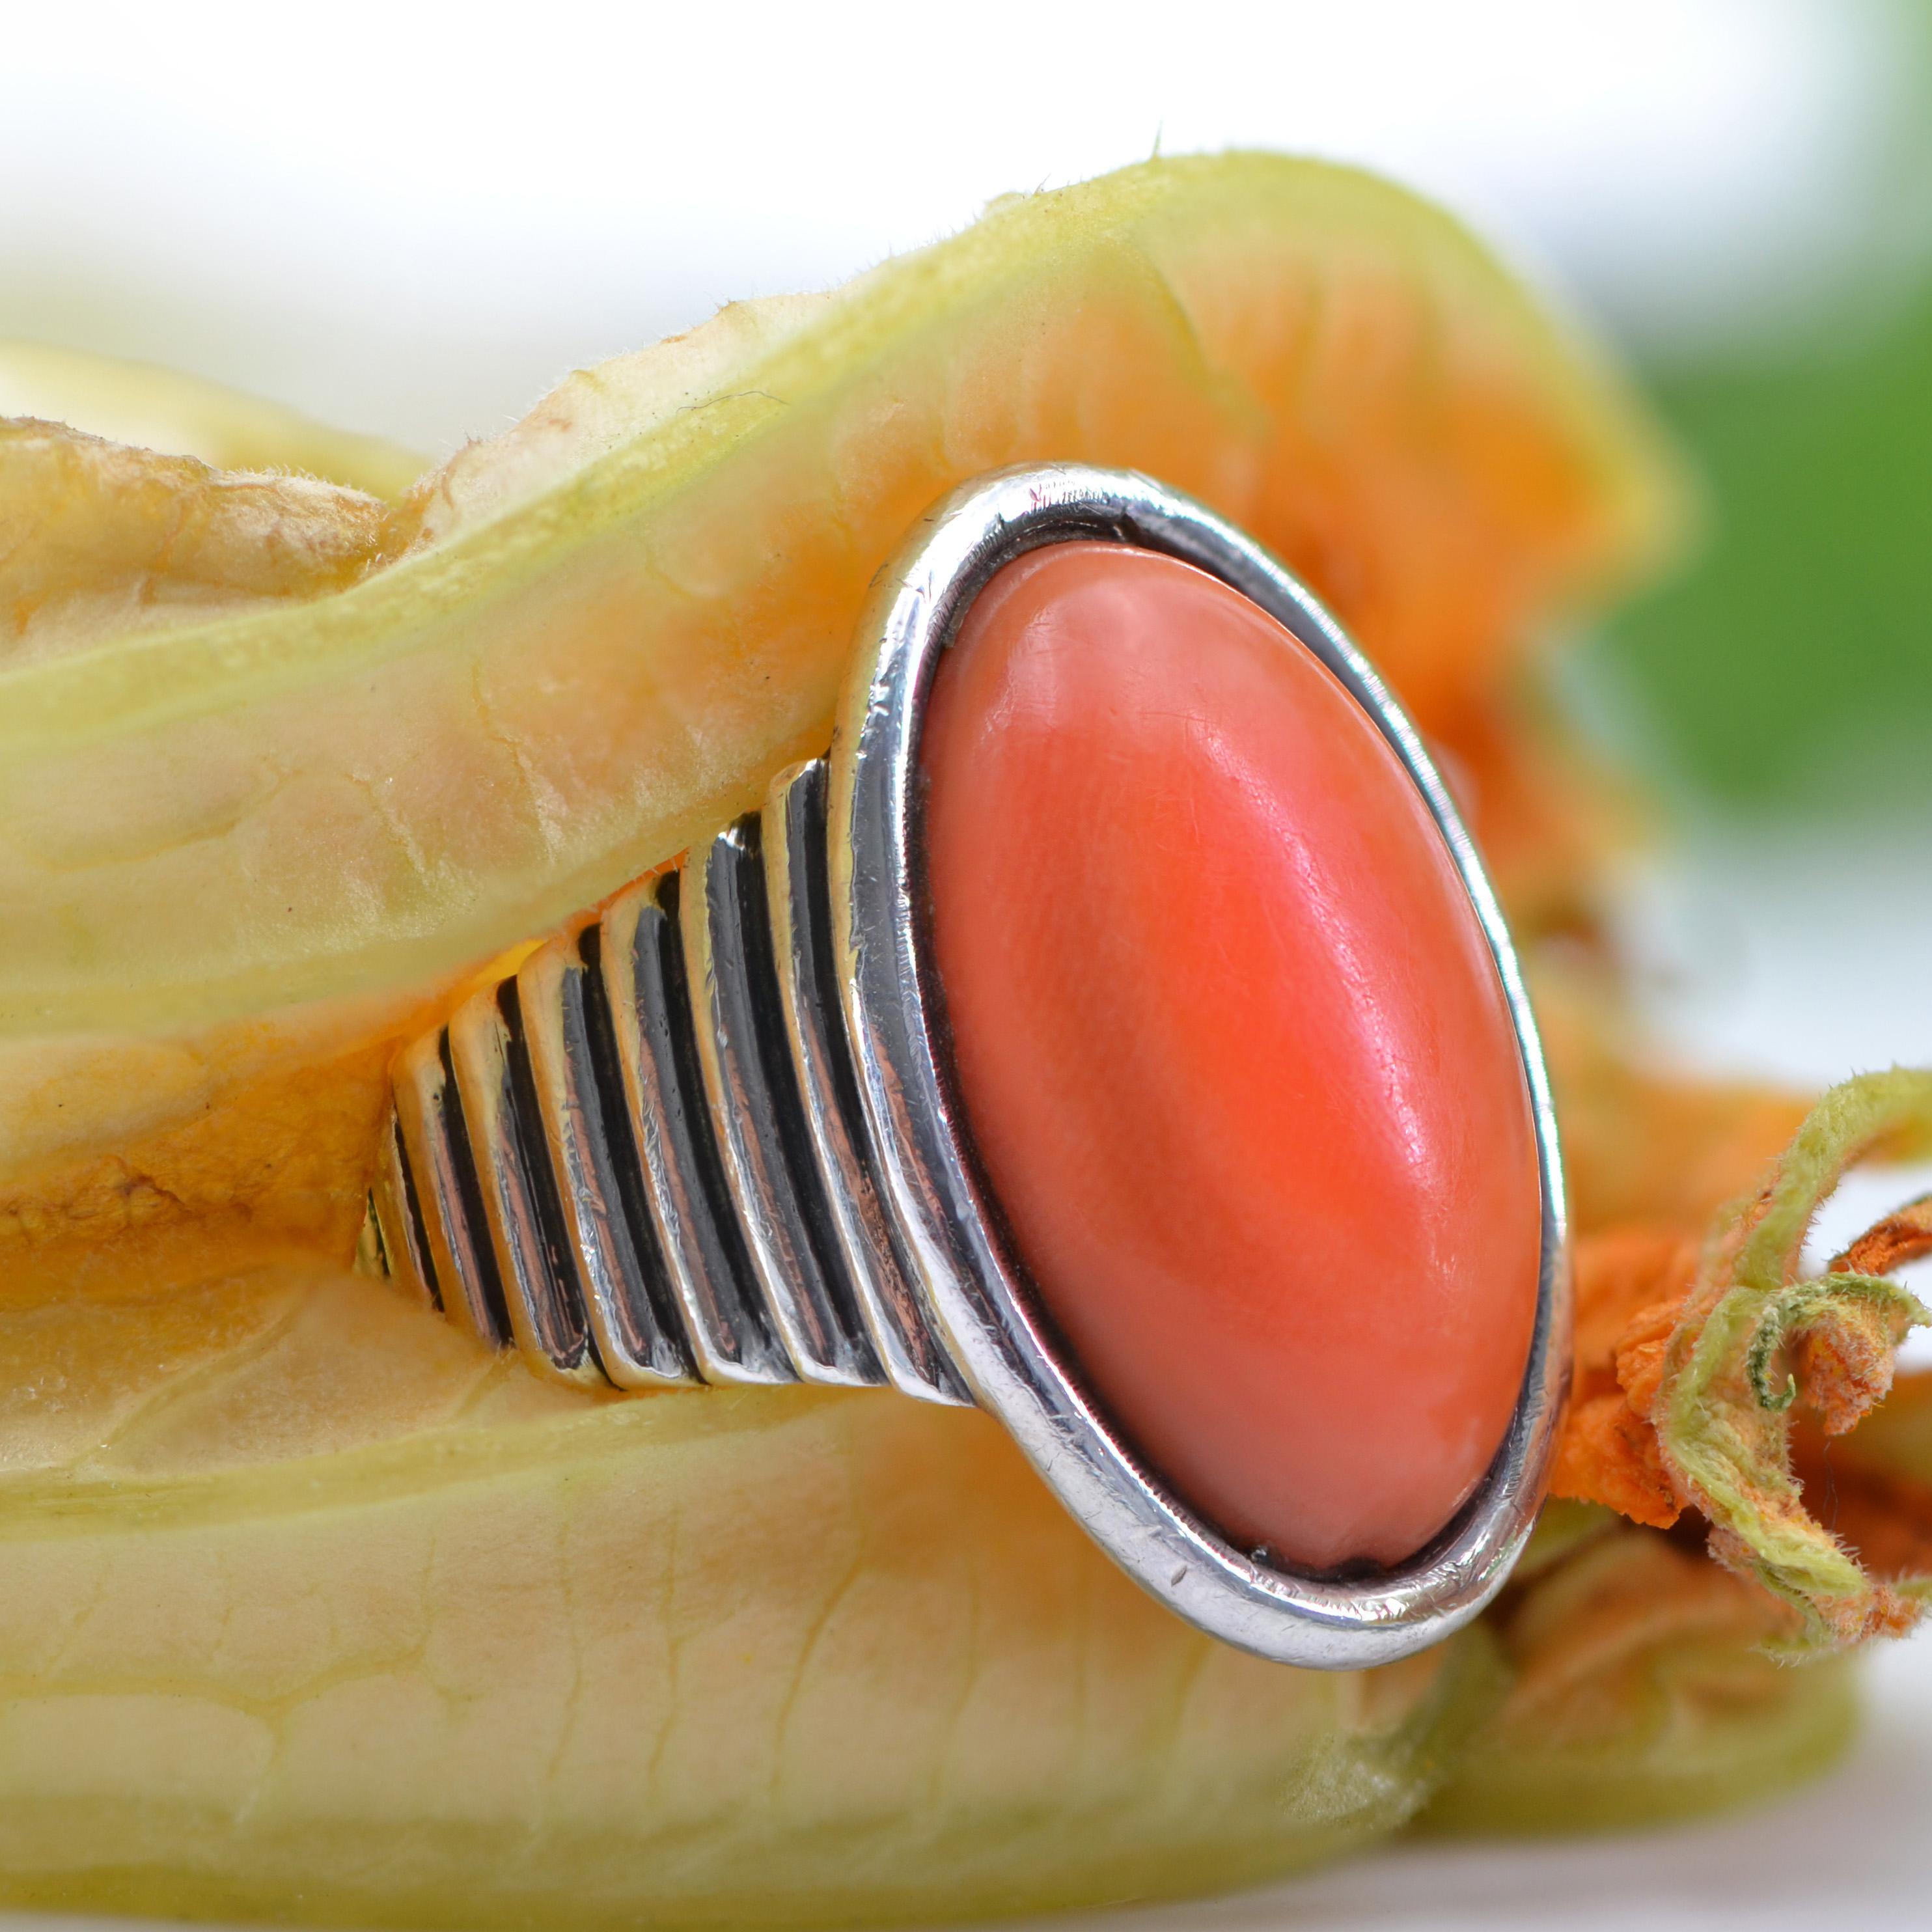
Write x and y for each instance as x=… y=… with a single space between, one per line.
x=411 y=220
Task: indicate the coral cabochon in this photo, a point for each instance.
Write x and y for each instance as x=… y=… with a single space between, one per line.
x=1234 y=1053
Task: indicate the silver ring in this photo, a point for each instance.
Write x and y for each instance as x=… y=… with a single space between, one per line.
x=709 y=1135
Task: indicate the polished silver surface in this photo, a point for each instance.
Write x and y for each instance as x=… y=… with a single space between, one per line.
x=756 y=1118
x=522 y=1216
x=402 y=1242
x=433 y=1137
x=634 y=1330
x=801 y=924
x=611 y=1161
x=710 y=1136
x=692 y=1220
x=973 y=1289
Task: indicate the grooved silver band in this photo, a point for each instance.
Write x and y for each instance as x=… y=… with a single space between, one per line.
x=641 y=1161
x=710 y=1136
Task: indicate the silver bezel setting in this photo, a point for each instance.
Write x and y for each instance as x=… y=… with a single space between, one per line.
x=974 y=1291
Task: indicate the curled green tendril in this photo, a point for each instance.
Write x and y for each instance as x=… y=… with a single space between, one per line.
x=1800 y=1308
x=1722 y=1424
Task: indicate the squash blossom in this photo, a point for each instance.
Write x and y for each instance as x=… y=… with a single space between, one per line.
x=311 y=1610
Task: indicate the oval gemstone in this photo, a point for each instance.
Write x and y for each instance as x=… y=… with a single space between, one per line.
x=1233 y=1050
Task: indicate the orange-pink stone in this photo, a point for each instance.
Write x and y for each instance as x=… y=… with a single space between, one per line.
x=1234 y=1053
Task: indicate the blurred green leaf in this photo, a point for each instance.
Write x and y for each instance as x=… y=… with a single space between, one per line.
x=1791 y=665
x=1795 y=659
